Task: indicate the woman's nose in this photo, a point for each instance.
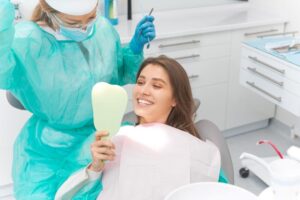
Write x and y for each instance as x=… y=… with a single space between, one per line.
x=145 y=89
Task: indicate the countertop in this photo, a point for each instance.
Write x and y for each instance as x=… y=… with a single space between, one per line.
x=184 y=22
x=267 y=44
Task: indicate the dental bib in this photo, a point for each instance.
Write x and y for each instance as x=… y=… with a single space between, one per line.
x=109 y=104
x=152 y=160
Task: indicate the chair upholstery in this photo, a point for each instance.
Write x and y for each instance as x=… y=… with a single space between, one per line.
x=208 y=130
x=13 y=101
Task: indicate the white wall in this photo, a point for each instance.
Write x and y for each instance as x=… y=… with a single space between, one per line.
x=286 y=8
x=144 y=6
x=138 y=6
x=289 y=9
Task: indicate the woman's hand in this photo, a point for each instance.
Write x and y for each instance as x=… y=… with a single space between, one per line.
x=102 y=150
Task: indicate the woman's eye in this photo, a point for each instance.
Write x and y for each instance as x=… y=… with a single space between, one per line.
x=139 y=82
x=157 y=86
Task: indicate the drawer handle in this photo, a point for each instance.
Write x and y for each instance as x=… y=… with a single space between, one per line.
x=194 y=76
x=282 y=71
x=265 y=76
x=178 y=44
x=261 y=32
x=293 y=33
x=252 y=84
x=187 y=57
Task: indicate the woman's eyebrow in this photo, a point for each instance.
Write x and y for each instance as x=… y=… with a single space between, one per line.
x=160 y=80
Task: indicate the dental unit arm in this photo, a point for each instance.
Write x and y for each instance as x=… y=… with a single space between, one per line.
x=280 y=170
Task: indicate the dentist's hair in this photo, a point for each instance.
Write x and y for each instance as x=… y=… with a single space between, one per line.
x=182 y=115
x=40 y=14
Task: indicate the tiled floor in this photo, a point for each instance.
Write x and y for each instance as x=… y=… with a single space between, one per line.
x=277 y=133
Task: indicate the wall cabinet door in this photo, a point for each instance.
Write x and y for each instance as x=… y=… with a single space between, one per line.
x=213 y=101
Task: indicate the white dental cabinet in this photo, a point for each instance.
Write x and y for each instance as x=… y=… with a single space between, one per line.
x=274 y=76
x=207 y=42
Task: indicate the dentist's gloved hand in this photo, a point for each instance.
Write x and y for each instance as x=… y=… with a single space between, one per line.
x=144 y=30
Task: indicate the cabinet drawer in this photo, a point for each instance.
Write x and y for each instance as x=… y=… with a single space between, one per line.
x=188 y=42
x=204 y=66
x=271 y=76
x=279 y=96
x=271 y=64
x=199 y=54
x=207 y=72
x=262 y=31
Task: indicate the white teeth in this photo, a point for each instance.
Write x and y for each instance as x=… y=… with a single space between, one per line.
x=142 y=101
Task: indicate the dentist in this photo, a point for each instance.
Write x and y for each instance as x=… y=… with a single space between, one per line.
x=50 y=64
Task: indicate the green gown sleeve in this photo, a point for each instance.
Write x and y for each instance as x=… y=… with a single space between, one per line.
x=7 y=59
x=80 y=185
x=128 y=63
x=90 y=190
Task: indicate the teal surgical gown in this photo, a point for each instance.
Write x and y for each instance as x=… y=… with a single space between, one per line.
x=53 y=80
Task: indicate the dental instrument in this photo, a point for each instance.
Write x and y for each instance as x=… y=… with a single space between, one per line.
x=148 y=45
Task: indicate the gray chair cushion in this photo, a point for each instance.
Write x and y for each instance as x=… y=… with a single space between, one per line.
x=208 y=130
x=13 y=101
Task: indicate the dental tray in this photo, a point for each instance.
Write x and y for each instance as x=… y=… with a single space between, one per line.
x=287 y=48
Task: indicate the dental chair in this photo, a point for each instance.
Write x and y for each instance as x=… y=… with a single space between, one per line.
x=13 y=101
x=208 y=130
x=210 y=190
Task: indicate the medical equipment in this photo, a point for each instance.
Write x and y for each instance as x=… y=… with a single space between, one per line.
x=109 y=104
x=294 y=153
x=129 y=10
x=148 y=45
x=211 y=191
x=111 y=11
x=283 y=175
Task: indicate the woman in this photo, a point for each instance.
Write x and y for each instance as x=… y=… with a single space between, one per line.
x=163 y=104
x=50 y=64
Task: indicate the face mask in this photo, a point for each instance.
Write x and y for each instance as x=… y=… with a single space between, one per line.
x=77 y=34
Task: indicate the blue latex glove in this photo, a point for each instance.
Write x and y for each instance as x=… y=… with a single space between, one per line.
x=144 y=30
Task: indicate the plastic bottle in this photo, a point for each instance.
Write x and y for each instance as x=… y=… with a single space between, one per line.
x=111 y=11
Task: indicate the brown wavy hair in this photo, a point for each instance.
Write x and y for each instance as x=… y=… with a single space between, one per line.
x=182 y=115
